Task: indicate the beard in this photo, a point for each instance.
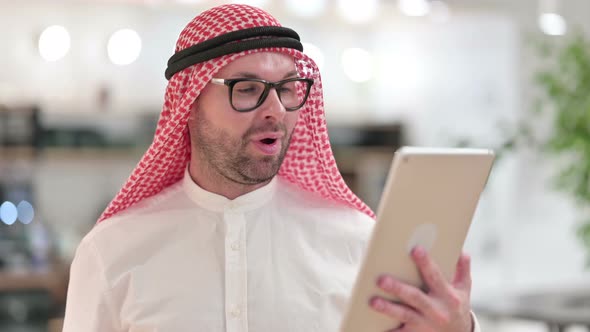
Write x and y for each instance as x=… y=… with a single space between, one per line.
x=228 y=156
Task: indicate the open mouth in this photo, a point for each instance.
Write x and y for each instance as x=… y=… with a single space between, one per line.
x=268 y=145
x=268 y=141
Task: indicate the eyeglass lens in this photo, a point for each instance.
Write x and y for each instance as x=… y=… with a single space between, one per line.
x=248 y=94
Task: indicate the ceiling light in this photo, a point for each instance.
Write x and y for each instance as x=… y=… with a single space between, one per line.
x=54 y=43
x=355 y=11
x=356 y=63
x=414 y=7
x=552 y=24
x=306 y=8
x=124 y=47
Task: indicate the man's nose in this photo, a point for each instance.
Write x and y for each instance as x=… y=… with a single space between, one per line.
x=272 y=106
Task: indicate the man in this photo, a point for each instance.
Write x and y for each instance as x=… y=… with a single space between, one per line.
x=205 y=237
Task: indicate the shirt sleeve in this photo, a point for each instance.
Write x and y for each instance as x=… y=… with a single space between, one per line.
x=88 y=306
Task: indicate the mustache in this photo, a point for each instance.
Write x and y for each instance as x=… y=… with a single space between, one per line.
x=265 y=128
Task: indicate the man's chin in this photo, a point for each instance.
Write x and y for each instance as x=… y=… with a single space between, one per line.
x=260 y=172
x=260 y=168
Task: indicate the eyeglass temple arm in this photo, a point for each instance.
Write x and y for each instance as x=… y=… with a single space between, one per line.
x=219 y=81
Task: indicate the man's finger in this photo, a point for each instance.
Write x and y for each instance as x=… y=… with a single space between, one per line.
x=462 y=279
x=431 y=274
x=413 y=297
x=403 y=314
x=400 y=328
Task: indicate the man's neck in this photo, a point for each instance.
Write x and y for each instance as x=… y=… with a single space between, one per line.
x=212 y=181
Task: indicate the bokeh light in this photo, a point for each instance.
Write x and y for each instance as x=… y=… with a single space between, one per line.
x=54 y=43
x=124 y=47
x=356 y=63
x=26 y=213
x=357 y=12
x=8 y=213
x=306 y=8
x=414 y=7
x=552 y=24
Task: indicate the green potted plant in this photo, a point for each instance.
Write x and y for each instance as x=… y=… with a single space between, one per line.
x=564 y=86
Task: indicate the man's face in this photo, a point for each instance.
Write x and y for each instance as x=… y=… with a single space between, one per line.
x=249 y=147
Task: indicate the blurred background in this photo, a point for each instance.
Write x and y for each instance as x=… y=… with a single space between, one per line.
x=82 y=84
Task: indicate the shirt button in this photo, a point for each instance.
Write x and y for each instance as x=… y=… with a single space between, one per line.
x=236 y=313
x=235 y=246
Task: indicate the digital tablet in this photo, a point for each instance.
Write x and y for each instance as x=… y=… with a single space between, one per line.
x=429 y=199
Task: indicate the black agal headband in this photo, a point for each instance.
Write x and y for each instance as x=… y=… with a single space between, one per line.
x=233 y=42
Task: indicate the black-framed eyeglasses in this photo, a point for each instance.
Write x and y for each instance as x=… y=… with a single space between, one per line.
x=246 y=94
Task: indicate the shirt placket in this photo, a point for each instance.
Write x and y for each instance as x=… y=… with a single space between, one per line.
x=236 y=311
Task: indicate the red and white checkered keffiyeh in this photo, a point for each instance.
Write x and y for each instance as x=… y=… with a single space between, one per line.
x=309 y=162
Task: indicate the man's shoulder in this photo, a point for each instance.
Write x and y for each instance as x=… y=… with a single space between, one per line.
x=299 y=196
x=145 y=220
x=325 y=212
x=311 y=200
x=158 y=203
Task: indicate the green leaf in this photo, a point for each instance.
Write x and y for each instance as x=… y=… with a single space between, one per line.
x=564 y=82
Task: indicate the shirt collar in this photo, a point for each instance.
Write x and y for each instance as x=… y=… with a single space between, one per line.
x=218 y=203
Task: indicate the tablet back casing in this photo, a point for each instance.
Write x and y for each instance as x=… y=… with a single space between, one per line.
x=429 y=199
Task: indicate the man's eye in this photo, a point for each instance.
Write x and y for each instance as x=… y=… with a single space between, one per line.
x=285 y=90
x=247 y=88
x=289 y=87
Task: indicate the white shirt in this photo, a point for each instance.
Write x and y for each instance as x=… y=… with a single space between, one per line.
x=275 y=259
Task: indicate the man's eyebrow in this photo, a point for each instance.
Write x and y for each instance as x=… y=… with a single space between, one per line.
x=246 y=75
x=253 y=75
x=290 y=74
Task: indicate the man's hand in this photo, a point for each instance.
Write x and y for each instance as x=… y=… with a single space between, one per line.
x=444 y=307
